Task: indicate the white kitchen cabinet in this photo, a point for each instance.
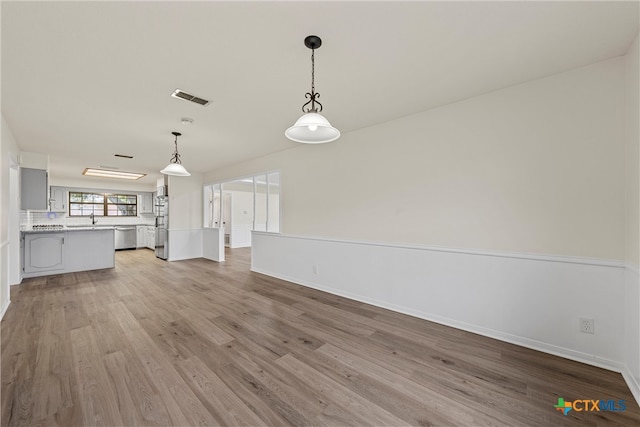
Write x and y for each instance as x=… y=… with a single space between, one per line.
x=44 y=252
x=89 y=250
x=151 y=238
x=58 y=199
x=146 y=203
x=34 y=189
x=141 y=236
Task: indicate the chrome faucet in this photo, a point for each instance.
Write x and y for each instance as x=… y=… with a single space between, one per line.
x=93 y=219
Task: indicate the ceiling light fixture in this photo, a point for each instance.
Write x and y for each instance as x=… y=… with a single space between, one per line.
x=175 y=167
x=106 y=173
x=312 y=127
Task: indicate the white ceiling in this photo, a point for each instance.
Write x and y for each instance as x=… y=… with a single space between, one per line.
x=82 y=81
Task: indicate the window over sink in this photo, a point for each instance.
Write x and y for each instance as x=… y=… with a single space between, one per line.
x=102 y=204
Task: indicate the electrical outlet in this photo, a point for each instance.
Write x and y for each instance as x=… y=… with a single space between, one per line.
x=587 y=326
x=315 y=269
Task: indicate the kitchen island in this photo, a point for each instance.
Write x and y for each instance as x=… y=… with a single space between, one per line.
x=66 y=250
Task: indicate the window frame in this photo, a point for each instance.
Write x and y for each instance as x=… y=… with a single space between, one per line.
x=126 y=200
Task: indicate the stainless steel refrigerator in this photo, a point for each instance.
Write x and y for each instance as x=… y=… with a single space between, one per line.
x=162 y=223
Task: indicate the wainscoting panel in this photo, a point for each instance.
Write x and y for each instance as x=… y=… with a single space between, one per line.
x=240 y=236
x=185 y=244
x=631 y=371
x=213 y=244
x=4 y=278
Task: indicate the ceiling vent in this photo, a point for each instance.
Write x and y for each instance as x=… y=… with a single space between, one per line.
x=188 y=97
x=124 y=156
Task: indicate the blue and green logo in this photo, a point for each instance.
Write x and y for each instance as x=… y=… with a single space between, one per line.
x=589 y=405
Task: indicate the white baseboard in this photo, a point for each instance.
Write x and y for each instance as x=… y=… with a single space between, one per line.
x=632 y=383
x=4 y=308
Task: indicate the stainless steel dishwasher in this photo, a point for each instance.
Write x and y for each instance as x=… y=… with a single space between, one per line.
x=125 y=237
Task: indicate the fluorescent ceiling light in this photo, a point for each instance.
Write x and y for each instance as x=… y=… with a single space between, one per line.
x=105 y=173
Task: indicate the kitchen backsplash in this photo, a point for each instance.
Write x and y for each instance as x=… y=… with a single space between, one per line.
x=29 y=218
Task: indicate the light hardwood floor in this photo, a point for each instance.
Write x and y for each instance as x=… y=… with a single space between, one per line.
x=195 y=342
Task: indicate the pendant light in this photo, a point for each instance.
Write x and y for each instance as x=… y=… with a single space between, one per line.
x=175 y=167
x=312 y=127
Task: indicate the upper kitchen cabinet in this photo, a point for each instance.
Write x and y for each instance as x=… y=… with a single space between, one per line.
x=33 y=191
x=146 y=203
x=58 y=199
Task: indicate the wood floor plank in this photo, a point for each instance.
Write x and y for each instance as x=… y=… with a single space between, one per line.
x=182 y=405
x=355 y=407
x=222 y=401
x=285 y=387
x=138 y=399
x=99 y=403
x=254 y=396
x=195 y=342
x=209 y=329
x=53 y=373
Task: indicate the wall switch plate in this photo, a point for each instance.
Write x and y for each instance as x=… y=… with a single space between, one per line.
x=315 y=269
x=587 y=326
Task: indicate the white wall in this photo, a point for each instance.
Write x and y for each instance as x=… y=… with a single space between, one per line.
x=632 y=223
x=185 y=217
x=532 y=168
x=241 y=207
x=8 y=152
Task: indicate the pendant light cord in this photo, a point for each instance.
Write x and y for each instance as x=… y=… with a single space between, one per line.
x=313 y=70
x=176 y=157
x=312 y=96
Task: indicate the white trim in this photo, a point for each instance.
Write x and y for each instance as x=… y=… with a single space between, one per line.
x=633 y=268
x=4 y=308
x=633 y=385
x=567 y=353
x=534 y=257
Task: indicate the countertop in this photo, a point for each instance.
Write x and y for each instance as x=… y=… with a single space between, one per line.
x=65 y=229
x=96 y=227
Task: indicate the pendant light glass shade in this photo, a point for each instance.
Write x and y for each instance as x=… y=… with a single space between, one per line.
x=175 y=167
x=312 y=128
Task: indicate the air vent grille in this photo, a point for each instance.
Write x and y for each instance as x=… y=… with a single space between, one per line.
x=188 y=97
x=124 y=156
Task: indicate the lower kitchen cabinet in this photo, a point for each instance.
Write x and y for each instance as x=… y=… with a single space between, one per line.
x=44 y=252
x=146 y=236
x=151 y=238
x=141 y=236
x=90 y=250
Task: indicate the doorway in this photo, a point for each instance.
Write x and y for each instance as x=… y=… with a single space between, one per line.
x=240 y=206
